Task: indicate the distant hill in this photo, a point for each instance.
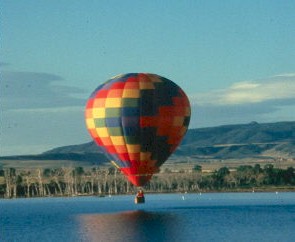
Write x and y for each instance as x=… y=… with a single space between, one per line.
x=242 y=134
x=251 y=140
x=239 y=141
x=228 y=141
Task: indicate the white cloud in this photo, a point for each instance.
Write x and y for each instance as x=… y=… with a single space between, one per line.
x=279 y=87
x=265 y=100
x=286 y=75
x=244 y=86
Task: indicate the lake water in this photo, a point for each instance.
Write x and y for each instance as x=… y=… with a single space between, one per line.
x=170 y=217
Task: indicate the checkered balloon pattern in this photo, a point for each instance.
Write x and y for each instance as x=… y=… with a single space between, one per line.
x=138 y=120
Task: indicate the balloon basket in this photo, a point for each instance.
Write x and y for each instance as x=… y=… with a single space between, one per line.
x=139 y=200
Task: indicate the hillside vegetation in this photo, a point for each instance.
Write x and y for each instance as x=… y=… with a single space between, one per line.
x=243 y=143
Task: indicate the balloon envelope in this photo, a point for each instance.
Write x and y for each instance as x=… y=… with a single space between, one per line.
x=138 y=120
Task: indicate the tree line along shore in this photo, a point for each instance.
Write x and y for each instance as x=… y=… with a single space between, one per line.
x=80 y=181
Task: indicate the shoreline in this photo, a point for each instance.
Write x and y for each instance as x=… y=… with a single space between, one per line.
x=256 y=190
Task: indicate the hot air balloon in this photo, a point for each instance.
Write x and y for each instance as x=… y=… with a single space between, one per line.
x=138 y=120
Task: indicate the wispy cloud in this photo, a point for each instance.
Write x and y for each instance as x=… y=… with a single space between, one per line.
x=276 y=88
x=286 y=75
x=36 y=91
x=39 y=109
x=264 y=100
x=4 y=63
x=50 y=109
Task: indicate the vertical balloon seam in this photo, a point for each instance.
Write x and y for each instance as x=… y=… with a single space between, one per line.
x=108 y=155
x=118 y=159
x=112 y=157
x=124 y=171
x=155 y=104
x=122 y=126
x=141 y=106
x=160 y=153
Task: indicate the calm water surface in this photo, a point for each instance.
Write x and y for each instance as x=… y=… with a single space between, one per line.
x=177 y=217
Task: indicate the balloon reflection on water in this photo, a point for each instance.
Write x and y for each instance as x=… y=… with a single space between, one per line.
x=129 y=226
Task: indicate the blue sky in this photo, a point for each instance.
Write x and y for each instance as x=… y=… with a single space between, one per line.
x=234 y=59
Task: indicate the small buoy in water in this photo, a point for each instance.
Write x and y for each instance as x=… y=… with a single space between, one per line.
x=183 y=197
x=277 y=192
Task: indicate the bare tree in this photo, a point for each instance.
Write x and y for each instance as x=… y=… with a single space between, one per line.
x=56 y=174
x=26 y=174
x=69 y=180
x=40 y=182
x=8 y=183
